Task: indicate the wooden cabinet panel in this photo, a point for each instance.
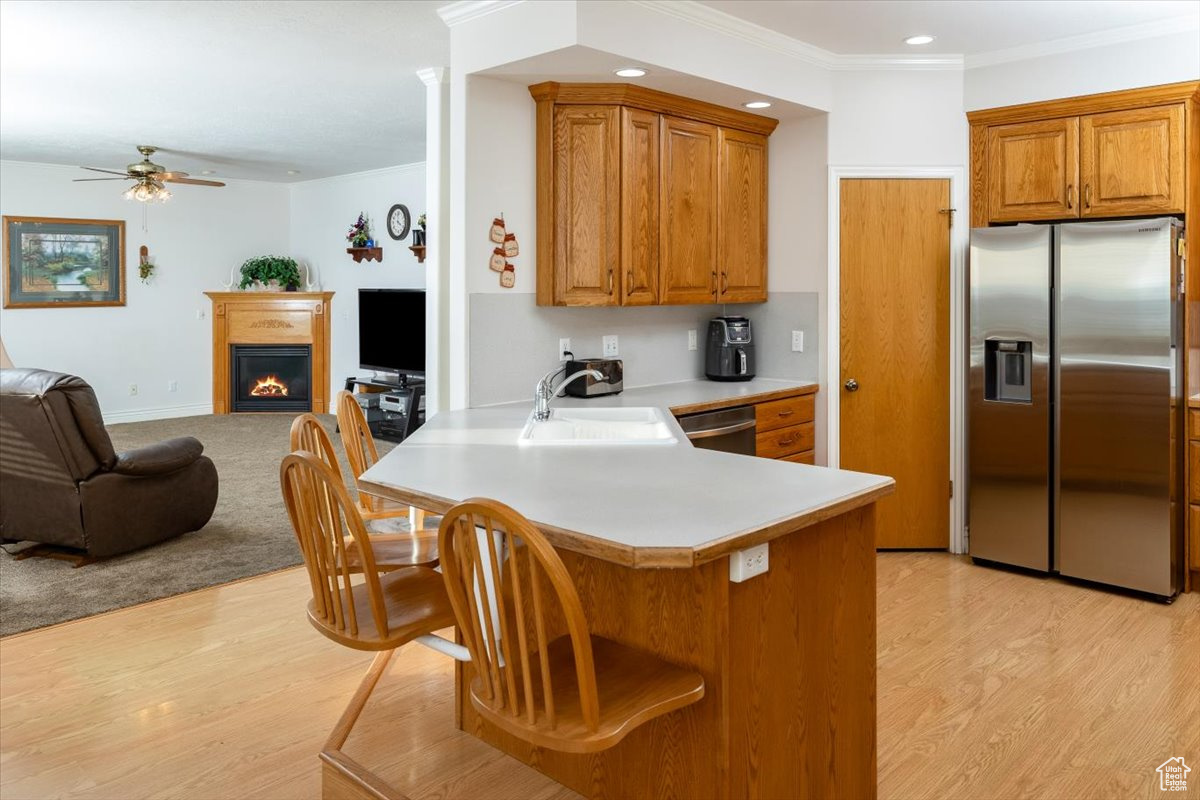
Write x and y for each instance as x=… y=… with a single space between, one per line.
x=807 y=457
x=741 y=217
x=1034 y=170
x=1194 y=471
x=587 y=147
x=1131 y=162
x=639 y=207
x=785 y=441
x=1194 y=536
x=688 y=244
x=1193 y=423
x=782 y=413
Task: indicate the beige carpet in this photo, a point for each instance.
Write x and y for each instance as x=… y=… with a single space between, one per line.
x=249 y=533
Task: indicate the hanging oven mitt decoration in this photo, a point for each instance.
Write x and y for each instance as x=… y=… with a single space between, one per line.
x=497 y=232
x=508 y=277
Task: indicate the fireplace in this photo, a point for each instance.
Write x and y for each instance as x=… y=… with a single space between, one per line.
x=270 y=377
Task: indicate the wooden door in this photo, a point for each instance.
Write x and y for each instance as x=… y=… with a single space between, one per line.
x=741 y=217
x=688 y=222
x=895 y=351
x=587 y=184
x=1131 y=162
x=1033 y=170
x=639 y=207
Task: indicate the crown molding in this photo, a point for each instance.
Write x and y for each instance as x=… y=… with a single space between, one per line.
x=729 y=25
x=1129 y=33
x=467 y=10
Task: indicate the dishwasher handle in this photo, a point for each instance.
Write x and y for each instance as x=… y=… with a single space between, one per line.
x=704 y=434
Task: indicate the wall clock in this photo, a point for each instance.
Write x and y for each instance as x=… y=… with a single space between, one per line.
x=398 y=221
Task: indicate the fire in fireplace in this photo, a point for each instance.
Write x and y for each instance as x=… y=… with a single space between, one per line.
x=269 y=377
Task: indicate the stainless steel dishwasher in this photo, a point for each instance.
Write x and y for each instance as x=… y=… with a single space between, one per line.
x=730 y=430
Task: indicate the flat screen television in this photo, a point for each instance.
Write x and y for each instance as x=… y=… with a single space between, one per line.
x=391 y=331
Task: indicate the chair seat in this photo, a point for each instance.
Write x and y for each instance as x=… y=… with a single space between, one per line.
x=633 y=687
x=415 y=603
x=395 y=550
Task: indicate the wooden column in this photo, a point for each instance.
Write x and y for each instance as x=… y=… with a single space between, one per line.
x=271 y=318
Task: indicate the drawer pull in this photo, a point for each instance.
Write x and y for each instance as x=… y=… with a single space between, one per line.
x=788 y=441
x=787 y=413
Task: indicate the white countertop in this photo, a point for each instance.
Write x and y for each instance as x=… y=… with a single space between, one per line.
x=684 y=397
x=645 y=506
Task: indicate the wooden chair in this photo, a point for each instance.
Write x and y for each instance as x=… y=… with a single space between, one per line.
x=391 y=550
x=362 y=455
x=556 y=686
x=380 y=613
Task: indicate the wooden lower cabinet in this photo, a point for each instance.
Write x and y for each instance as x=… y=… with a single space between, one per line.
x=786 y=429
x=786 y=441
x=1193 y=515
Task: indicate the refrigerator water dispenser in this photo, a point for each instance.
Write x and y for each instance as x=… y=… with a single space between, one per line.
x=1009 y=371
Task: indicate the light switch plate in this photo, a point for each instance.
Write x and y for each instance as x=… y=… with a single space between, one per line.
x=797 y=341
x=610 y=347
x=745 y=564
x=691 y=340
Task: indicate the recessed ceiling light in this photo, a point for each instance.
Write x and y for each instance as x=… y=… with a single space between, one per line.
x=293 y=172
x=629 y=72
x=207 y=171
x=924 y=38
x=757 y=104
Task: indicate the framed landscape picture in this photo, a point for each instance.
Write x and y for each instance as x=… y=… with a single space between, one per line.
x=52 y=262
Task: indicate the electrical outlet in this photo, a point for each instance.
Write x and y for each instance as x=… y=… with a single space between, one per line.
x=564 y=348
x=745 y=564
x=172 y=386
x=132 y=389
x=797 y=341
x=691 y=340
x=199 y=313
x=610 y=346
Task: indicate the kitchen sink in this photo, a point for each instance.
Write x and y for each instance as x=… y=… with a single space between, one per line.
x=638 y=425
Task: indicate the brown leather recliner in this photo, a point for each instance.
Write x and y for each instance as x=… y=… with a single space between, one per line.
x=61 y=483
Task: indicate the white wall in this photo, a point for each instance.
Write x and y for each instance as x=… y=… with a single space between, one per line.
x=1124 y=65
x=195 y=239
x=321 y=212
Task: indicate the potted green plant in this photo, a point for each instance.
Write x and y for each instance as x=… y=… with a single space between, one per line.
x=265 y=269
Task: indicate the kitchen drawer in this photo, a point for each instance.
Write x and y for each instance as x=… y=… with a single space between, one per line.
x=807 y=457
x=1193 y=424
x=786 y=441
x=1193 y=471
x=782 y=413
x=1193 y=532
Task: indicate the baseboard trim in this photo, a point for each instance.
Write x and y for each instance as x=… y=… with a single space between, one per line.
x=167 y=412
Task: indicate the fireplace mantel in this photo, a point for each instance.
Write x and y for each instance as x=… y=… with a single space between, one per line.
x=270 y=318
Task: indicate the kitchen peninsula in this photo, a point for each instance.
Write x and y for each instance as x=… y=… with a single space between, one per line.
x=646 y=531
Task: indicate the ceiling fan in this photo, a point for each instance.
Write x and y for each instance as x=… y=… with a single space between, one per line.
x=149 y=178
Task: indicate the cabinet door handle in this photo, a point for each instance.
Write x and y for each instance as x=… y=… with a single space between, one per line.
x=1087 y=195
x=714 y=284
x=628 y=281
x=1070 y=195
x=724 y=282
x=610 y=281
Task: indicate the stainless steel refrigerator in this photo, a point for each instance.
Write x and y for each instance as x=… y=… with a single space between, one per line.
x=1074 y=453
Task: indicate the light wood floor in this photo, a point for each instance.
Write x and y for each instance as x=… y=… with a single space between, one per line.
x=991 y=685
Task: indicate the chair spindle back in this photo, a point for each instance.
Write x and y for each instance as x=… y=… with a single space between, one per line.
x=493 y=558
x=309 y=434
x=322 y=513
x=358 y=443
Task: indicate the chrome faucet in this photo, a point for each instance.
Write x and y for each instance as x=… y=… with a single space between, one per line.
x=545 y=390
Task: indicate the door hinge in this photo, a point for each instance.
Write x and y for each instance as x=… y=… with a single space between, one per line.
x=949 y=212
x=952 y=489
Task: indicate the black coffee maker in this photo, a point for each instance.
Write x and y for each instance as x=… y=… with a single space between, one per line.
x=729 y=355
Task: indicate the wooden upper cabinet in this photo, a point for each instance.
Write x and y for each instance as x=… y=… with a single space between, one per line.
x=639 y=207
x=648 y=198
x=1131 y=162
x=688 y=212
x=1034 y=170
x=741 y=217
x=587 y=185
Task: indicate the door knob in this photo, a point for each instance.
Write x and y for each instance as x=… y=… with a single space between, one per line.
x=852 y=385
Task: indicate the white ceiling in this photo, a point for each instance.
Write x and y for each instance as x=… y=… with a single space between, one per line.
x=963 y=27
x=247 y=89
x=254 y=88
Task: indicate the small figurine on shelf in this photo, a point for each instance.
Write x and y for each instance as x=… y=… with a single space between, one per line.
x=360 y=232
x=418 y=234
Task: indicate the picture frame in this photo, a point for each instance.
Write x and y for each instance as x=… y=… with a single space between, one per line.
x=56 y=262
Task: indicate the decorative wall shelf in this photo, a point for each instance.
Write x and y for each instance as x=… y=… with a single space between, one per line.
x=419 y=252
x=368 y=253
